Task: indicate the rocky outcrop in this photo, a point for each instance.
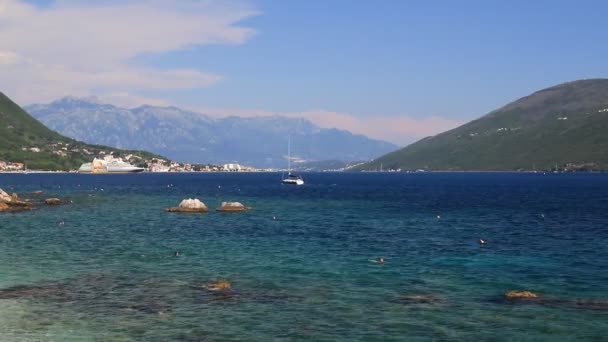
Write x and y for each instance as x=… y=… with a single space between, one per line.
x=12 y=203
x=4 y=197
x=52 y=201
x=189 y=206
x=232 y=206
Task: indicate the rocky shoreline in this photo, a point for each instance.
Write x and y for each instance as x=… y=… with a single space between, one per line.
x=13 y=203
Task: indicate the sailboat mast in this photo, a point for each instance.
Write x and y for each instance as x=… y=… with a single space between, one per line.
x=289 y=154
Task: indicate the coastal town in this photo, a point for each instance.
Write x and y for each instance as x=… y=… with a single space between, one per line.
x=103 y=157
x=152 y=165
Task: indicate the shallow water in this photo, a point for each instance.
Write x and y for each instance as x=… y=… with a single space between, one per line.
x=109 y=271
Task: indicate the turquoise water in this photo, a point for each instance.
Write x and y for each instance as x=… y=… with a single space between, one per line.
x=103 y=267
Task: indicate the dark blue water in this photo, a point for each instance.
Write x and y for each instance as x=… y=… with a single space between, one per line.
x=103 y=267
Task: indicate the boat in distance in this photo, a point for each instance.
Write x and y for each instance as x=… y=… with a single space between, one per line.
x=293 y=179
x=109 y=165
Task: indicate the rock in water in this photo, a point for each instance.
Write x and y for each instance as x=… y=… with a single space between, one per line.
x=520 y=295
x=12 y=203
x=232 y=206
x=221 y=285
x=52 y=201
x=4 y=197
x=192 y=204
x=189 y=206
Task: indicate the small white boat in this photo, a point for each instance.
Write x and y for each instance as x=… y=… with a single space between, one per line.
x=291 y=179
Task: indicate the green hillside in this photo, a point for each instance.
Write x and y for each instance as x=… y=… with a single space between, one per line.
x=565 y=125
x=23 y=139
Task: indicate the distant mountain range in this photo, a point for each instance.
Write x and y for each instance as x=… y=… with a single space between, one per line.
x=194 y=137
x=24 y=139
x=325 y=165
x=563 y=127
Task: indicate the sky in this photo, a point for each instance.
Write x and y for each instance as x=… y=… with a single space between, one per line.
x=392 y=70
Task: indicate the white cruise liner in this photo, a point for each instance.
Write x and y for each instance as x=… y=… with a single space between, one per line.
x=109 y=165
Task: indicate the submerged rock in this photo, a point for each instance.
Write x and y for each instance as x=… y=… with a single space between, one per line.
x=219 y=291
x=221 y=285
x=528 y=297
x=30 y=291
x=421 y=299
x=590 y=304
x=52 y=201
x=232 y=206
x=101 y=293
x=189 y=206
x=155 y=307
x=5 y=208
x=519 y=295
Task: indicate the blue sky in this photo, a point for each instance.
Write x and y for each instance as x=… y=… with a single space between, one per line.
x=451 y=61
x=402 y=57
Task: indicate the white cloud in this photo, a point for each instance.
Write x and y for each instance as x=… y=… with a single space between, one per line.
x=79 y=48
x=401 y=130
x=128 y=100
x=82 y=48
x=8 y=58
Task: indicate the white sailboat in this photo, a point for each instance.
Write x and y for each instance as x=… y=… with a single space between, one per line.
x=291 y=179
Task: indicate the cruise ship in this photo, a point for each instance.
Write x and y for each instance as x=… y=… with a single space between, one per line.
x=109 y=165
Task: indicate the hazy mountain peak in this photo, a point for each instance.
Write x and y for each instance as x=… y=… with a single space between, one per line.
x=190 y=136
x=78 y=100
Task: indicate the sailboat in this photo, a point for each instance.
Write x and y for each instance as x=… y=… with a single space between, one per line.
x=291 y=179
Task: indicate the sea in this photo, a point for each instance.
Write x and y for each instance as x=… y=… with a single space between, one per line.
x=303 y=263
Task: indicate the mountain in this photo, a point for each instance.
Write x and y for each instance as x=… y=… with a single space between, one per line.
x=325 y=165
x=194 y=137
x=24 y=139
x=564 y=126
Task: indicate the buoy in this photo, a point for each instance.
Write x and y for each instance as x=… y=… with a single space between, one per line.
x=481 y=241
